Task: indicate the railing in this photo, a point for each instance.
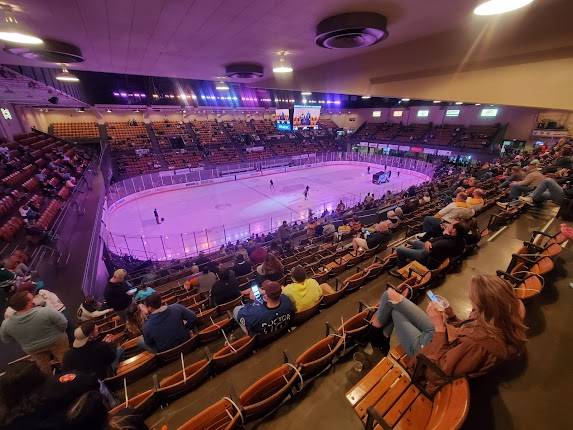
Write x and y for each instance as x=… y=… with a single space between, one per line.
x=181 y=245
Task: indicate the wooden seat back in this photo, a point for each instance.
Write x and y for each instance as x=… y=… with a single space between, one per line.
x=529 y=287
x=233 y=353
x=144 y=404
x=329 y=299
x=177 y=384
x=356 y=325
x=213 y=331
x=542 y=266
x=307 y=314
x=268 y=392
x=222 y=415
x=229 y=306
x=174 y=353
x=387 y=396
x=354 y=282
x=319 y=356
x=132 y=369
x=204 y=317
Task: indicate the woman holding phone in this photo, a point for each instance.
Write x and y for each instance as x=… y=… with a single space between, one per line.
x=493 y=333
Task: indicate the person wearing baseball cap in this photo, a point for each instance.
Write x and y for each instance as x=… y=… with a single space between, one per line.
x=273 y=315
x=91 y=355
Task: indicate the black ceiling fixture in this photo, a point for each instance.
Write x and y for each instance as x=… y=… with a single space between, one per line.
x=244 y=71
x=51 y=51
x=351 y=30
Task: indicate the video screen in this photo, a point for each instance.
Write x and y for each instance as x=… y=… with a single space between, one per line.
x=305 y=117
x=283 y=119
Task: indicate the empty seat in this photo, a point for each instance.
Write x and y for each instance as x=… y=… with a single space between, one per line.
x=386 y=396
x=233 y=352
x=268 y=392
x=132 y=369
x=320 y=355
x=181 y=382
x=222 y=415
x=143 y=403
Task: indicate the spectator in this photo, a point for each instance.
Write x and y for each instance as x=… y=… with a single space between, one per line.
x=548 y=189
x=242 y=267
x=166 y=326
x=476 y=201
x=494 y=332
x=192 y=281
x=274 y=315
x=329 y=229
x=271 y=269
x=381 y=235
x=257 y=254
x=40 y=331
x=434 y=251
x=90 y=309
x=118 y=292
x=341 y=207
x=225 y=289
x=304 y=293
x=33 y=400
x=455 y=211
x=143 y=293
x=393 y=218
x=207 y=279
x=91 y=355
x=532 y=179
x=516 y=174
x=90 y=412
x=284 y=232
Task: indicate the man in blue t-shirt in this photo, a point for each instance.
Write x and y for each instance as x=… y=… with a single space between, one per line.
x=272 y=316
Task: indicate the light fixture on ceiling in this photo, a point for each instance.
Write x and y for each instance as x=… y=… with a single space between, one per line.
x=437 y=101
x=405 y=100
x=108 y=110
x=13 y=31
x=459 y=103
x=478 y=104
x=283 y=66
x=66 y=76
x=365 y=97
x=496 y=7
x=222 y=86
x=306 y=93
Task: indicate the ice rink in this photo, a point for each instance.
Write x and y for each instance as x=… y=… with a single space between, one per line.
x=206 y=216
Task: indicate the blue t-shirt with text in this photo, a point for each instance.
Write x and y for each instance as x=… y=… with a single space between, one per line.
x=259 y=319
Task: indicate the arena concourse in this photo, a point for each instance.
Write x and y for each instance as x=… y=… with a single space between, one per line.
x=243 y=215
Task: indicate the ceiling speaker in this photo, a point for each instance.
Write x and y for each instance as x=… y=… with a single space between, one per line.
x=51 y=51
x=351 y=30
x=54 y=100
x=244 y=71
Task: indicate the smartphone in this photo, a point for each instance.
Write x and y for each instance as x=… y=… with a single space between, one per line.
x=256 y=293
x=432 y=296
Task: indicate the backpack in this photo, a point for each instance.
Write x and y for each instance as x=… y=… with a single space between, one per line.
x=566 y=210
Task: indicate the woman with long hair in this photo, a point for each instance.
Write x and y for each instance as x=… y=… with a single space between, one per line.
x=272 y=268
x=493 y=333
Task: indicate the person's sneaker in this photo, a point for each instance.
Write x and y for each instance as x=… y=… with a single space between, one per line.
x=395 y=273
x=503 y=205
x=527 y=200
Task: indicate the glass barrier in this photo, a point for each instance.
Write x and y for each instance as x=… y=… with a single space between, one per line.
x=174 y=246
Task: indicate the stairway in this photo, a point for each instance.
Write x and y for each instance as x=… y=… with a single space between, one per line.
x=155 y=148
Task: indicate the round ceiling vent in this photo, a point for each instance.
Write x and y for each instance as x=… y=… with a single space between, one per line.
x=51 y=51
x=351 y=30
x=244 y=71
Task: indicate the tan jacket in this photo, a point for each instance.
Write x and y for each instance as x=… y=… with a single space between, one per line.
x=532 y=179
x=465 y=349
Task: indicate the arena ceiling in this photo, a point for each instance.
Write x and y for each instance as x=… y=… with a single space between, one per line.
x=435 y=48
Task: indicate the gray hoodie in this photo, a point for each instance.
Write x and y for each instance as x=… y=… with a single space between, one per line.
x=36 y=329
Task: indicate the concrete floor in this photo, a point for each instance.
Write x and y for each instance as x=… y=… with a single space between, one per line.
x=530 y=396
